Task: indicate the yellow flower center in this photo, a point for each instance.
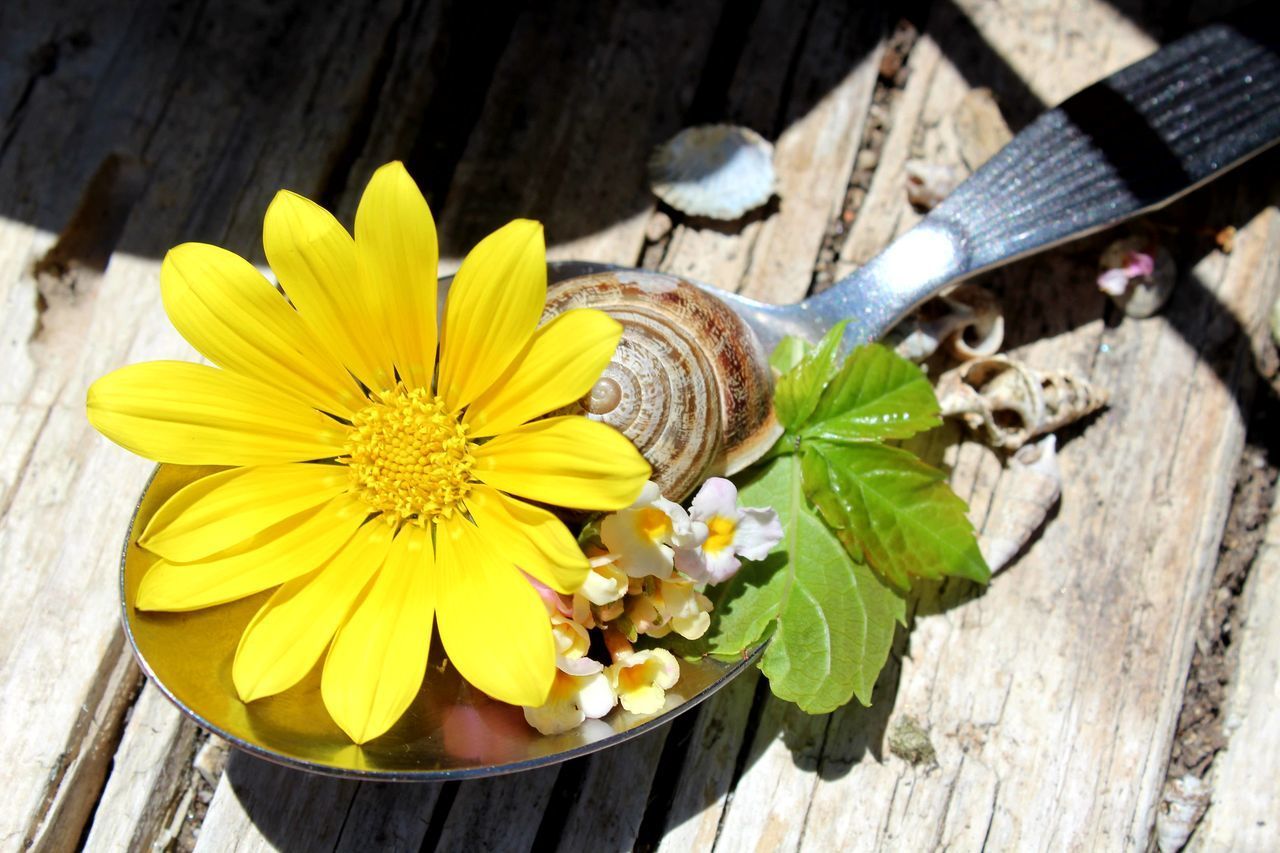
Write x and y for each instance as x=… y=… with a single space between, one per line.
x=637 y=677
x=653 y=523
x=409 y=458
x=720 y=534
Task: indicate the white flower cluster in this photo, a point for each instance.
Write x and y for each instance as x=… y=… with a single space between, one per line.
x=648 y=569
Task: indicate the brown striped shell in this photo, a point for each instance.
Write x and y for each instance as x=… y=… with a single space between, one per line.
x=689 y=383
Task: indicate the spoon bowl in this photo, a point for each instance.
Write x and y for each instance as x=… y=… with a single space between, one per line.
x=450 y=732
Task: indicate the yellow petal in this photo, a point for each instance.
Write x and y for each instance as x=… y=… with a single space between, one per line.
x=397 y=253
x=494 y=305
x=238 y=320
x=560 y=363
x=568 y=461
x=226 y=508
x=378 y=659
x=492 y=622
x=193 y=414
x=315 y=258
x=280 y=553
x=287 y=636
x=532 y=538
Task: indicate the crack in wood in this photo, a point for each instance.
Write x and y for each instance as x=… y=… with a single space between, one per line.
x=66 y=273
x=76 y=780
x=893 y=75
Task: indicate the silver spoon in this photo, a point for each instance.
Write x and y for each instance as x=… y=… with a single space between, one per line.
x=1131 y=143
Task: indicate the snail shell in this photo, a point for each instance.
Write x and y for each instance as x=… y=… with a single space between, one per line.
x=689 y=383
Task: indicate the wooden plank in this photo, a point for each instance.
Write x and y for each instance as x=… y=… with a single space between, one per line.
x=702 y=787
x=388 y=817
x=966 y=798
x=500 y=813
x=767 y=809
x=68 y=472
x=53 y=61
x=260 y=806
x=613 y=81
x=816 y=110
x=1002 y=766
x=1059 y=735
x=85 y=760
x=614 y=788
x=1040 y=56
x=151 y=771
x=1245 y=803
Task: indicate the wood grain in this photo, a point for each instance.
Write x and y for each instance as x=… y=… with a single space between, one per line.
x=176 y=82
x=151 y=773
x=1050 y=699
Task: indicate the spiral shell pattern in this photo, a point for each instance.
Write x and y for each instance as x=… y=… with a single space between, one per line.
x=689 y=384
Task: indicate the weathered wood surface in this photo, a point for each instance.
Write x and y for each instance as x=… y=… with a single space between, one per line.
x=1242 y=813
x=1050 y=699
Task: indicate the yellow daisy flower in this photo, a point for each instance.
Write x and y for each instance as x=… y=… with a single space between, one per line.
x=378 y=493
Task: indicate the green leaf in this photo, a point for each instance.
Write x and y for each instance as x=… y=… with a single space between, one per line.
x=796 y=393
x=886 y=504
x=832 y=618
x=788 y=354
x=877 y=394
x=745 y=609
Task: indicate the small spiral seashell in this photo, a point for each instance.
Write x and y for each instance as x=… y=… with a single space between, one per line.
x=689 y=383
x=967 y=320
x=1012 y=402
x=980 y=331
x=719 y=171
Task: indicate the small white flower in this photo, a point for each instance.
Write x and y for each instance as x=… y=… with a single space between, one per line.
x=688 y=611
x=732 y=531
x=671 y=605
x=645 y=618
x=605 y=583
x=642 y=678
x=645 y=535
x=572 y=640
x=582 y=690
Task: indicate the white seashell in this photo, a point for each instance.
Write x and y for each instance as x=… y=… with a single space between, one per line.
x=1014 y=403
x=916 y=340
x=967 y=320
x=1029 y=488
x=1183 y=804
x=981 y=333
x=719 y=171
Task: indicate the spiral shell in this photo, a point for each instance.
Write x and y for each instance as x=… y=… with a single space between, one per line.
x=689 y=383
x=967 y=320
x=1012 y=402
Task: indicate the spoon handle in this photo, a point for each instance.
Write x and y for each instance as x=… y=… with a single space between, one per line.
x=1130 y=143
